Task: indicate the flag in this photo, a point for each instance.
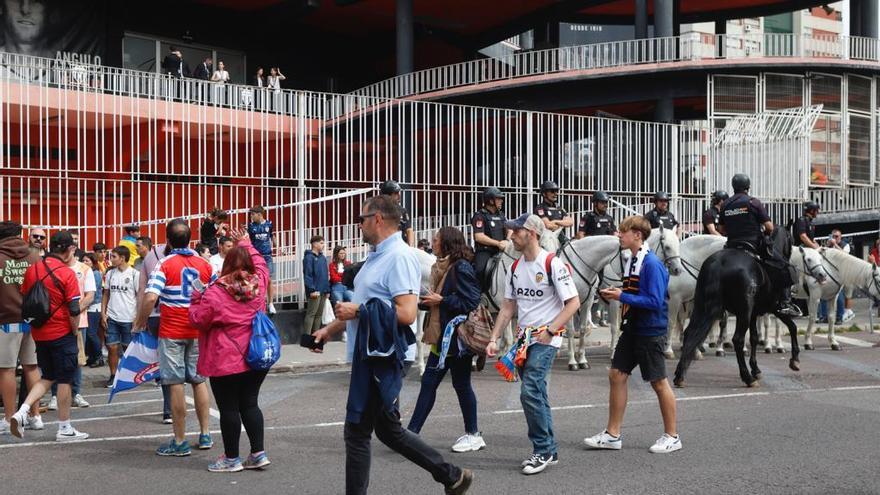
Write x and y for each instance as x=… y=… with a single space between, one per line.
x=139 y=364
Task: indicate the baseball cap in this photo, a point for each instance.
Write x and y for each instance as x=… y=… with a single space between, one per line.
x=60 y=240
x=527 y=221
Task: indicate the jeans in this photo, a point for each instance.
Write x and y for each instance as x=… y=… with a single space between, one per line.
x=391 y=433
x=533 y=397
x=236 y=397
x=823 y=307
x=460 y=366
x=340 y=293
x=93 y=342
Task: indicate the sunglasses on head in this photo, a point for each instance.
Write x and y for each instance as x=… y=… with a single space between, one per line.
x=40 y=237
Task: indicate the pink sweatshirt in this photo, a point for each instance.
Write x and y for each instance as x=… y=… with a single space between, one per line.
x=225 y=324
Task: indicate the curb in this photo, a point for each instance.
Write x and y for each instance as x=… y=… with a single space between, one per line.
x=301 y=368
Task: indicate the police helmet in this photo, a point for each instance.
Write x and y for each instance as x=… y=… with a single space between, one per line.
x=390 y=187
x=719 y=195
x=492 y=193
x=549 y=186
x=661 y=196
x=740 y=183
x=811 y=205
x=601 y=196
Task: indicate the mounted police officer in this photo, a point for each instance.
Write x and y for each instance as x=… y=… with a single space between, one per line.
x=392 y=189
x=490 y=235
x=598 y=221
x=804 y=230
x=660 y=214
x=711 y=216
x=555 y=218
x=742 y=219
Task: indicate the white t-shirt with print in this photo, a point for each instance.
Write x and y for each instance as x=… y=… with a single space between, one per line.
x=538 y=301
x=123 y=288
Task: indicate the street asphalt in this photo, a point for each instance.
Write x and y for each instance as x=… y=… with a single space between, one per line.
x=809 y=432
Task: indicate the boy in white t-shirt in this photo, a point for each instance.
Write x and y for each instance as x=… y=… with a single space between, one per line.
x=119 y=306
x=544 y=299
x=224 y=244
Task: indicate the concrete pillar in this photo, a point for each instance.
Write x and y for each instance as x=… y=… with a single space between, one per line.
x=663 y=18
x=641 y=23
x=720 y=31
x=664 y=112
x=855 y=17
x=405 y=37
x=870 y=18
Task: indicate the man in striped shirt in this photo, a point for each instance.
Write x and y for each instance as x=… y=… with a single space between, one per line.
x=171 y=283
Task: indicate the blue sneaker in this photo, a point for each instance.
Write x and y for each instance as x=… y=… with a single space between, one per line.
x=224 y=465
x=205 y=441
x=174 y=449
x=257 y=461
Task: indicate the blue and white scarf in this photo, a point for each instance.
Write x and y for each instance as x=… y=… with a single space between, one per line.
x=447 y=339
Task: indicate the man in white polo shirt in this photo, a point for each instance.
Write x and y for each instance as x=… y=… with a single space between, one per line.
x=540 y=290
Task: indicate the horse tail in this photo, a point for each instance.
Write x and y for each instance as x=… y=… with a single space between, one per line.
x=708 y=308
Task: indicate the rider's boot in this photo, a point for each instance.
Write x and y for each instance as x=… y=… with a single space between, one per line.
x=786 y=307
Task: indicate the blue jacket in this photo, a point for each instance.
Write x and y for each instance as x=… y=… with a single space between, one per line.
x=460 y=291
x=379 y=351
x=316 y=273
x=651 y=313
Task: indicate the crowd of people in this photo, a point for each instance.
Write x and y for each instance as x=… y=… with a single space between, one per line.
x=200 y=303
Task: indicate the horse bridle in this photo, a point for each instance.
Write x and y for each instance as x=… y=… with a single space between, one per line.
x=596 y=273
x=667 y=260
x=822 y=254
x=810 y=270
x=494 y=290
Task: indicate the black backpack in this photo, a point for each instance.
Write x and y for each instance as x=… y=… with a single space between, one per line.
x=36 y=307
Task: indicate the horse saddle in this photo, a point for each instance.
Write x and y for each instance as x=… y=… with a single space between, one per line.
x=746 y=246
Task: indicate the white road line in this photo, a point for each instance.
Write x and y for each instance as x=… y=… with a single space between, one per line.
x=855 y=342
x=110 y=418
x=144 y=401
x=127 y=392
x=560 y=408
x=213 y=412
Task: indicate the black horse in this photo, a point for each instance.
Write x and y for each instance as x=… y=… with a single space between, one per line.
x=735 y=281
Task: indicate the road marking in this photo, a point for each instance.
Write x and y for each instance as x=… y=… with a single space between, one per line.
x=110 y=418
x=144 y=401
x=560 y=408
x=127 y=392
x=855 y=342
x=213 y=412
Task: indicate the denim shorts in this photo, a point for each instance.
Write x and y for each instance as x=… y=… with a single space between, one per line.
x=270 y=264
x=118 y=333
x=177 y=361
x=58 y=359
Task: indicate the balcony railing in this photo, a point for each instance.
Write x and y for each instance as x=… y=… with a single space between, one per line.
x=685 y=48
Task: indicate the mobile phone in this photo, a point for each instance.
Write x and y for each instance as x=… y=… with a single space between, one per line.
x=308 y=341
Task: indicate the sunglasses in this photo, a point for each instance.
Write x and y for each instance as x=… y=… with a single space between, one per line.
x=40 y=237
x=361 y=218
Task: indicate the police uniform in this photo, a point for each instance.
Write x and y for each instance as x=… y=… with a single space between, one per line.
x=595 y=223
x=405 y=223
x=552 y=212
x=711 y=217
x=655 y=218
x=804 y=225
x=491 y=224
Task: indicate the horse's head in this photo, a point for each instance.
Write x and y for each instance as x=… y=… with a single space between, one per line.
x=665 y=244
x=813 y=266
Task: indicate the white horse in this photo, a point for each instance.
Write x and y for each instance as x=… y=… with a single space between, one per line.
x=549 y=241
x=694 y=251
x=426 y=261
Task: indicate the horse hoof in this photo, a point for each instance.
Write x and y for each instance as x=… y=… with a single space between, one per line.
x=678 y=382
x=669 y=354
x=835 y=347
x=767 y=350
x=794 y=364
x=761 y=342
x=572 y=367
x=719 y=353
x=757 y=376
x=808 y=347
x=698 y=356
x=753 y=384
x=583 y=366
x=780 y=350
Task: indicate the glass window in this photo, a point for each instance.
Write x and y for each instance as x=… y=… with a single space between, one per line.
x=825 y=90
x=734 y=94
x=138 y=54
x=859 y=94
x=191 y=56
x=859 y=150
x=825 y=152
x=783 y=91
x=235 y=65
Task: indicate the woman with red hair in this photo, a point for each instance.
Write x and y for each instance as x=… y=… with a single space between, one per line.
x=224 y=314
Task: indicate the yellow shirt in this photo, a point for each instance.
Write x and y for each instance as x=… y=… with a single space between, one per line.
x=128 y=242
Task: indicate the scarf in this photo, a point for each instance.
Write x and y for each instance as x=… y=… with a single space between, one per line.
x=631 y=278
x=183 y=252
x=432 y=331
x=510 y=364
x=241 y=285
x=447 y=340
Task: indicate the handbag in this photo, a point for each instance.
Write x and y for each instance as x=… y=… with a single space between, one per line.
x=476 y=331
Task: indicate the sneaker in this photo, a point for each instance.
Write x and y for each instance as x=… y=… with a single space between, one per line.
x=109 y=383
x=538 y=463
x=4 y=427
x=205 y=441
x=461 y=486
x=257 y=461
x=70 y=435
x=469 y=443
x=604 y=440
x=224 y=465
x=166 y=420
x=53 y=403
x=79 y=401
x=272 y=309
x=174 y=449
x=34 y=423
x=847 y=315
x=553 y=460
x=16 y=424
x=666 y=444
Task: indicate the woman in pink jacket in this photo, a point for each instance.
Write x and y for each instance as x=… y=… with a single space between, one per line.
x=224 y=314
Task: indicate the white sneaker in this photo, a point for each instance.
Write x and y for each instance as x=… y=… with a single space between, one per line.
x=53 y=403
x=604 y=440
x=666 y=444
x=79 y=401
x=16 y=424
x=848 y=315
x=469 y=443
x=34 y=423
x=70 y=435
x=272 y=309
x=4 y=426
x=538 y=463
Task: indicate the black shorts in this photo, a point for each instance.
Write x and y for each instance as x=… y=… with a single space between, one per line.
x=58 y=359
x=645 y=352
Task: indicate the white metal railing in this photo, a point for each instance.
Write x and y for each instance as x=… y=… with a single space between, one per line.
x=689 y=47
